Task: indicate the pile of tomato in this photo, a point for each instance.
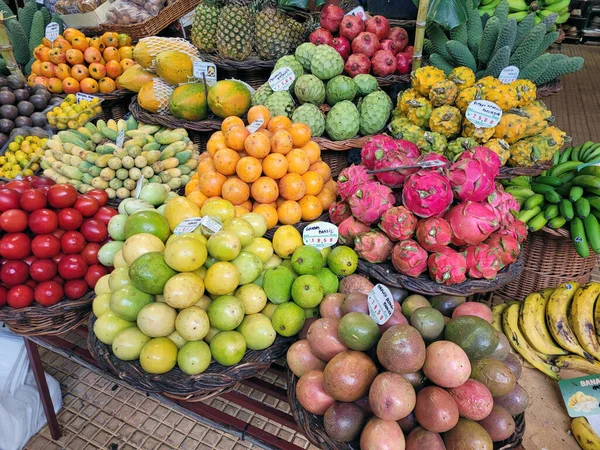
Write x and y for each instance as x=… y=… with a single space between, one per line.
x=50 y=241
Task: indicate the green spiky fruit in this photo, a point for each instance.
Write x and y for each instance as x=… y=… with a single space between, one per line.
x=312 y=116
x=309 y=89
x=326 y=63
x=366 y=84
x=280 y=104
x=342 y=121
x=340 y=88
x=304 y=53
x=374 y=112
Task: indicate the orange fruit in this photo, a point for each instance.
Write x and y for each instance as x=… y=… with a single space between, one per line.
x=301 y=134
x=257 y=145
x=206 y=165
x=298 y=161
x=265 y=190
x=240 y=210
x=248 y=169
x=269 y=213
x=311 y=207
x=247 y=205
x=231 y=121
x=235 y=191
x=259 y=112
x=331 y=185
x=275 y=166
x=327 y=197
x=313 y=151
x=226 y=160
x=281 y=142
x=279 y=123
x=211 y=183
x=322 y=169
x=289 y=212
x=280 y=200
x=257 y=204
x=235 y=137
x=292 y=187
x=216 y=142
x=197 y=197
x=192 y=185
x=313 y=182
x=265 y=132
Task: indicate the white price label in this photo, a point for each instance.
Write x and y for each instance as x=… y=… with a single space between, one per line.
x=509 y=74
x=320 y=235
x=80 y=96
x=204 y=69
x=188 y=19
x=483 y=114
x=254 y=126
x=52 y=30
x=138 y=187
x=358 y=12
x=381 y=304
x=39 y=2
x=210 y=225
x=120 y=138
x=187 y=225
x=282 y=79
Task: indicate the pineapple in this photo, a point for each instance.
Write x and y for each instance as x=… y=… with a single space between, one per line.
x=526 y=91
x=481 y=135
x=204 y=27
x=425 y=77
x=463 y=77
x=443 y=93
x=297 y=31
x=419 y=111
x=466 y=96
x=235 y=30
x=500 y=148
x=505 y=96
x=273 y=36
x=446 y=120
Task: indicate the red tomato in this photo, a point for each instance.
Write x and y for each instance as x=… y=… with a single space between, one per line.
x=72 y=242
x=68 y=219
x=30 y=259
x=9 y=199
x=105 y=213
x=20 y=296
x=60 y=281
x=90 y=253
x=94 y=273
x=13 y=220
x=86 y=205
x=98 y=194
x=62 y=196
x=32 y=199
x=40 y=182
x=43 y=221
x=58 y=232
x=15 y=246
x=45 y=246
x=43 y=270
x=31 y=283
x=48 y=293
x=72 y=267
x=14 y=272
x=3 y=292
x=18 y=185
x=58 y=257
x=94 y=230
x=75 y=289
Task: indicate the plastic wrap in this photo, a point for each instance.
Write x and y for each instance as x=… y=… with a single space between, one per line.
x=152 y=6
x=126 y=13
x=76 y=6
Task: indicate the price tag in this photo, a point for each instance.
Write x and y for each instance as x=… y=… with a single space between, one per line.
x=282 y=79
x=509 y=74
x=254 y=126
x=187 y=225
x=80 y=96
x=320 y=235
x=483 y=114
x=204 y=69
x=52 y=30
x=120 y=138
x=188 y=19
x=581 y=395
x=138 y=187
x=381 y=304
x=358 y=12
x=210 y=225
x=39 y=2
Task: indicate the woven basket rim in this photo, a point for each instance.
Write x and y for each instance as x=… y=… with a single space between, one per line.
x=531 y=171
x=65 y=305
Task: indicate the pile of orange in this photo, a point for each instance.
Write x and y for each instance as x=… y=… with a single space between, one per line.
x=276 y=171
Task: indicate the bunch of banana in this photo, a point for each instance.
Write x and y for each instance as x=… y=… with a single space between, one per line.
x=519 y=9
x=584 y=434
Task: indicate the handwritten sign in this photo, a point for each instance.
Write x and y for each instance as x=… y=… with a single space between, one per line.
x=320 y=235
x=509 y=74
x=187 y=225
x=483 y=114
x=282 y=79
x=381 y=304
x=80 y=96
x=358 y=12
x=254 y=126
x=52 y=31
x=204 y=69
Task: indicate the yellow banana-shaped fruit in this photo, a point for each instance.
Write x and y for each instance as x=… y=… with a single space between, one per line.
x=584 y=434
x=575 y=362
x=546 y=293
x=556 y=7
x=497 y=311
x=582 y=318
x=533 y=325
x=517 y=5
x=510 y=323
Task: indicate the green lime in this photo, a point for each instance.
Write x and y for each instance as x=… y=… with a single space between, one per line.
x=307 y=260
x=147 y=221
x=342 y=261
x=329 y=280
x=228 y=347
x=149 y=273
x=194 y=357
x=288 y=319
x=287 y=263
x=307 y=291
x=226 y=312
x=127 y=302
x=277 y=284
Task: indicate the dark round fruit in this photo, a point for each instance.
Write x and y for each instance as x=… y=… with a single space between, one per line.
x=7 y=98
x=3 y=139
x=9 y=112
x=45 y=93
x=23 y=121
x=38 y=101
x=15 y=82
x=344 y=421
x=3 y=82
x=22 y=94
x=25 y=108
x=38 y=131
x=38 y=119
x=6 y=126
x=5 y=88
x=55 y=101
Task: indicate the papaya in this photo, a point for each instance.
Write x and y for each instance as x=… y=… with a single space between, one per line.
x=134 y=77
x=174 y=67
x=229 y=98
x=148 y=48
x=154 y=96
x=188 y=102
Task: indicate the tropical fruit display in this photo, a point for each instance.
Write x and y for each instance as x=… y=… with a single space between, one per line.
x=451 y=221
x=435 y=375
x=565 y=196
x=22 y=155
x=490 y=44
x=73 y=113
x=89 y=158
x=557 y=11
x=276 y=170
x=433 y=115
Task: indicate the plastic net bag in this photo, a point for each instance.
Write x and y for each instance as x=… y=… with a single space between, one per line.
x=152 y=6
x=126 y=13
x=154 y=96
x=146 y=49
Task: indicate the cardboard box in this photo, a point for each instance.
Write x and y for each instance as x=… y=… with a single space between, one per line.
x=90 y=19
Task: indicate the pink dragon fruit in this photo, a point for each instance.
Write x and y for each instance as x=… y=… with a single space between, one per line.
x=370 y=201
x=409 y=258
x=447 y=266
x=504 y=205
x=471 y=223
x=394 y=158
x=435 y=157
x=338 y=212
x=373 y=246
x=349 y=229
x=434 y=234
x=488 y=157
x=470 y=179
x=378 y=142
x=483 y=261
x=427 y=193
x=408 y=148
x=398 y=223
x=350 y=179
x=516 y=229
x=507 y=246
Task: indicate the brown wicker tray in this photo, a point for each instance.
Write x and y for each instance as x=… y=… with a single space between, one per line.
x=385 y=273
x=46 y=321
x=341 y=146
x=312 y=425
x=531 y=171
x=175 y=384
x=393 y=79
x=300 y=226
x=549 y=88
x=252 y=63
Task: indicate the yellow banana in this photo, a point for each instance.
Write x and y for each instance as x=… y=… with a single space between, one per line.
x=533 y=324
x=510 y=323
x=584 y=434
x=575 y=362
x=497 y=311
x=557 y=318
x=546 y=293
x=582 y=318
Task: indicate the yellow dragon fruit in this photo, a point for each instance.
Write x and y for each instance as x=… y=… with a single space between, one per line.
x=425 y=77
x=466 y=96
x=526 y=92
x=404 y=97
x=529 y=151
x=481 y=135
x=419 y=111
x=445 y=120
x=500 y=147
x=505 y=96
x=488 y=82
x=463 y=77
x=556 y=134
x=537 y=119
x=443 y=93
x=511 y=128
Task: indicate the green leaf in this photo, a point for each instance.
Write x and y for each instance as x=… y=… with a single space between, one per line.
x=448 y=13
x=298 y=3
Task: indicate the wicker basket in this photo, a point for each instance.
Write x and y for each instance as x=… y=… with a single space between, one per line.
x=549 y=88
x=550 y=259
x=337 y=161
x=392 y=79
x=341 y=146
x=253 y=70
x=531 y=171
x=45 y=321
x=312 y=425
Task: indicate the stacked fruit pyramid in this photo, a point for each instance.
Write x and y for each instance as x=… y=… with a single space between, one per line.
x=432 y=114
x=276 y=171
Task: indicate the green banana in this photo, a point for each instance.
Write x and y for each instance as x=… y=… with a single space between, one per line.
x=537 y=223
x=533 y=201
x=525 y=215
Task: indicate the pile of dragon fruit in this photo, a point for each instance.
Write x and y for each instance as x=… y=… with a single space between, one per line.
x=453 y=221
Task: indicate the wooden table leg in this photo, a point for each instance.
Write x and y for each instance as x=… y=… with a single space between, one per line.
x=40 y=381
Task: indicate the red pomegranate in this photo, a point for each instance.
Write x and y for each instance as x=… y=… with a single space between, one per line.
x=390 y=45
x=320 y=37
x=378 y=25
x=356 y=64
x=331 y=17
x=403 y=63
x=383 y=63
x=399 y=35
x=366 y=43
x=351 y=27
x=342 y=46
